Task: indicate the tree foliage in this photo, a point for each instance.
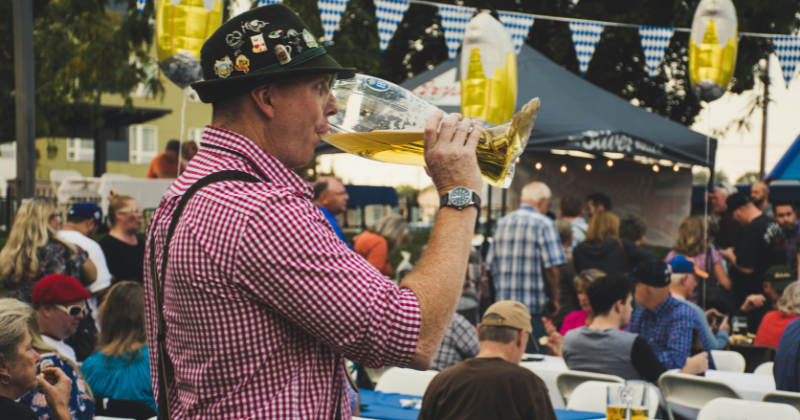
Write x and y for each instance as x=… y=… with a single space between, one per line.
x=82 y=50
x=750 y=177
x=701 y=178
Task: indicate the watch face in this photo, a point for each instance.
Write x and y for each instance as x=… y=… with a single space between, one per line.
x=460 y=196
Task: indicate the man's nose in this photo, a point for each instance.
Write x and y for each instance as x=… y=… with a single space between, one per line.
x=331 y=108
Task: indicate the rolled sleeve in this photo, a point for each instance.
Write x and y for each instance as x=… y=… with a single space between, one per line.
x=290 y=260
x=550 y=245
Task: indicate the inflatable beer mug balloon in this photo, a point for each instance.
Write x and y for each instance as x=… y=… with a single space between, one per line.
x=382 y=121
x=182 y=26
x=712 y=48
x=489 y=66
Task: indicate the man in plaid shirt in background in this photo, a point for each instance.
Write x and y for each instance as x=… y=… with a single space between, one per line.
x=525 y=256
x=261 y=299
x=460 y=343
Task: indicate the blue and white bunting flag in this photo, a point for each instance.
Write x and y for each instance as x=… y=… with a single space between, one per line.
x=655 y=41
x=787 y=48
x=454 y=22
x=585 y=36
x=330 y=12
x=268 y=2
x=518 y=24
x=389 y=14
x=140 y=5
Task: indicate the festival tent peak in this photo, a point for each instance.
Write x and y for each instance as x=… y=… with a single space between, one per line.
x=788 y=168
x=577 y=115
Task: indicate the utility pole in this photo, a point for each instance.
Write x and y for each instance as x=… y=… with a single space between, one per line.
x=24 y=93
x=766 y=81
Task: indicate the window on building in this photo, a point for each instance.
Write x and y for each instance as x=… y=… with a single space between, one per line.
x=142 y=143
x=80 y=150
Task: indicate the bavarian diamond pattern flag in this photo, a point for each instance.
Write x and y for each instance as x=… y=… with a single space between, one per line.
x=787 y=48
x=330 y=12
x=268 y=2
x=655 y=41
x=585 y=36
x=389 y=14
x=518 y=25
x=454 y=22
x=140 y=5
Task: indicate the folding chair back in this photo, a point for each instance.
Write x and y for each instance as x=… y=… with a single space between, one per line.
x=592 y=396
x=783 y=397
x=728 y=361
x=726 y=409
x=764 y=369
x=691 y=391
x=569 y=380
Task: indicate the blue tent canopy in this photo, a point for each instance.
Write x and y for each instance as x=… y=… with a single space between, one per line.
x=788 y=168
x=361 y=195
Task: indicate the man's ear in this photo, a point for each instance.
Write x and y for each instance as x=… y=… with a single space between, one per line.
x=262 y=98
x=4 y=366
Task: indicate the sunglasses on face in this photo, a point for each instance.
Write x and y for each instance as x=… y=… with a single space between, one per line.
x=73 y=310
x=131 y=210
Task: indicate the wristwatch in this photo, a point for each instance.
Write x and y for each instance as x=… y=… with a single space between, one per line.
x=461 y=198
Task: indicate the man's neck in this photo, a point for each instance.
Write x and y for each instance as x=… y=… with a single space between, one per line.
x=570 y=219
x=678 y=293
x=657 y=302
x=72 y=227
x=752 y=214
x=605 y=322
x=124 y=236
x=490 y=350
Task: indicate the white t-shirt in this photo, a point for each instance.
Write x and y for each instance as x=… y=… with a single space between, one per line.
x=64 y=349
x=98 y=258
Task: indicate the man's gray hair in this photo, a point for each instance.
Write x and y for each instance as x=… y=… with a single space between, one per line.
x=726 y=188
x=535 y=192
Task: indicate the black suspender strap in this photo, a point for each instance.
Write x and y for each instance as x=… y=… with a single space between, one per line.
x=165 y=367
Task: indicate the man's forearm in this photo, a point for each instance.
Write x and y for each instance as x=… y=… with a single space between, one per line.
x=551 y=276
x=438 y=278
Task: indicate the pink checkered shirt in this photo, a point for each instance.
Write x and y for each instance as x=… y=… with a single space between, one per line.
x=262 y=299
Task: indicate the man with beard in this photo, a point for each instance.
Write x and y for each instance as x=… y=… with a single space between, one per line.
x=786 y=216
x=760 y=195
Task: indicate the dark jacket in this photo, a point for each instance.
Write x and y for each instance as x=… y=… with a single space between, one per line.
x=610 y=257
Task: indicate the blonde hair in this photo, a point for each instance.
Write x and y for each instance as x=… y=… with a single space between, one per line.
x=587 y=276
x=116 y=202
x=603 y=226
x=790 y=300
x=690 y=237
x=31 y=231
x=122 y=328
x=14 y=316
x=394 y=229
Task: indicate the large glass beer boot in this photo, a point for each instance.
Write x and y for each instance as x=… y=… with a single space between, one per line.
x=382 y=121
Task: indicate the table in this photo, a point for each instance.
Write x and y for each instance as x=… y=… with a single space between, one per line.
x=754 y=356
x=387 y=407
x=751 y=387
x=548 y=370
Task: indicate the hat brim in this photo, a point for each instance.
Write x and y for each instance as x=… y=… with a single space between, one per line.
x=215 y=90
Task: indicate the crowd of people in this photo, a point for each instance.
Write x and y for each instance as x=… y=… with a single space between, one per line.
x=251 y=295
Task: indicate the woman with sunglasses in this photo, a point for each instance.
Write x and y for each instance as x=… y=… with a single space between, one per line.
x=123 y=250
x=18 y=374
x=59 y=302
x=33 y=250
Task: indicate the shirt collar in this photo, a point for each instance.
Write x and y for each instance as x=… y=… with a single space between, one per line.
x=264 y=164
x=664 y=306
x=529 y=207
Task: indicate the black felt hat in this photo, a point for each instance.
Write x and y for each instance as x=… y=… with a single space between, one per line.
x=261 y=46
x=653 y=273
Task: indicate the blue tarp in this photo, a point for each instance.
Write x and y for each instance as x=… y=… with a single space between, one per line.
x=361 y=195
x=788 y=168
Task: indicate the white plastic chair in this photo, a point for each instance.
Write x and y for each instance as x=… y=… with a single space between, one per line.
x=114 y=175
x=405 y=381
x=591 y=396
x=783 y=397
x=692 y=392
x=569 y=380
x=733 y=409
x=764 y=369
x=728 y=361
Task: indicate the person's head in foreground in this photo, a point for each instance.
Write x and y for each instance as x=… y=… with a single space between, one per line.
x=741 y=207
x=18 y=361
x=777 y=280
x=60 y=302
x=86 y=218
x=122 y=323
x=652 y=283
x=537 y=194
x=504 y=330
x=330 y=194
x=785 y=213
x=124 y=214
x=684 y=276
x=611 y=297
x=35 y=224
x=272 y=90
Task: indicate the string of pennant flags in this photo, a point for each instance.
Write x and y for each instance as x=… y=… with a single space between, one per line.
x=585 y=33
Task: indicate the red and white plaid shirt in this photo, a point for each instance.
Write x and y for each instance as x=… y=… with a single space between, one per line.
x=262 y=299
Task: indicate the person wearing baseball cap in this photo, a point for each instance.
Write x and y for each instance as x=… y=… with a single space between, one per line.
x=761 y=245
x=665 y=322
x=60 y=303
x=685 y=273
x=492 y=385
x=262 y=329
x=84 y=221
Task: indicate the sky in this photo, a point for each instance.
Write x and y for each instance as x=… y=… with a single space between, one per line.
x=738 y=151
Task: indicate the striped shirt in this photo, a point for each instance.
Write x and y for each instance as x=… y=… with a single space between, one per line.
x=262 y=300
x=525 y=243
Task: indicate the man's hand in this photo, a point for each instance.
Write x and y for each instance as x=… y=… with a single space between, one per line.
x=555 y=342
x=752 y=302
x=56 y=388
x=723 y=326
x=696 y=364
x=549 y=327
x=450 y=152
x=728 y=254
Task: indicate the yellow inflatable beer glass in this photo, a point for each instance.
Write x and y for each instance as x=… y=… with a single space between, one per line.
x=712 y=48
